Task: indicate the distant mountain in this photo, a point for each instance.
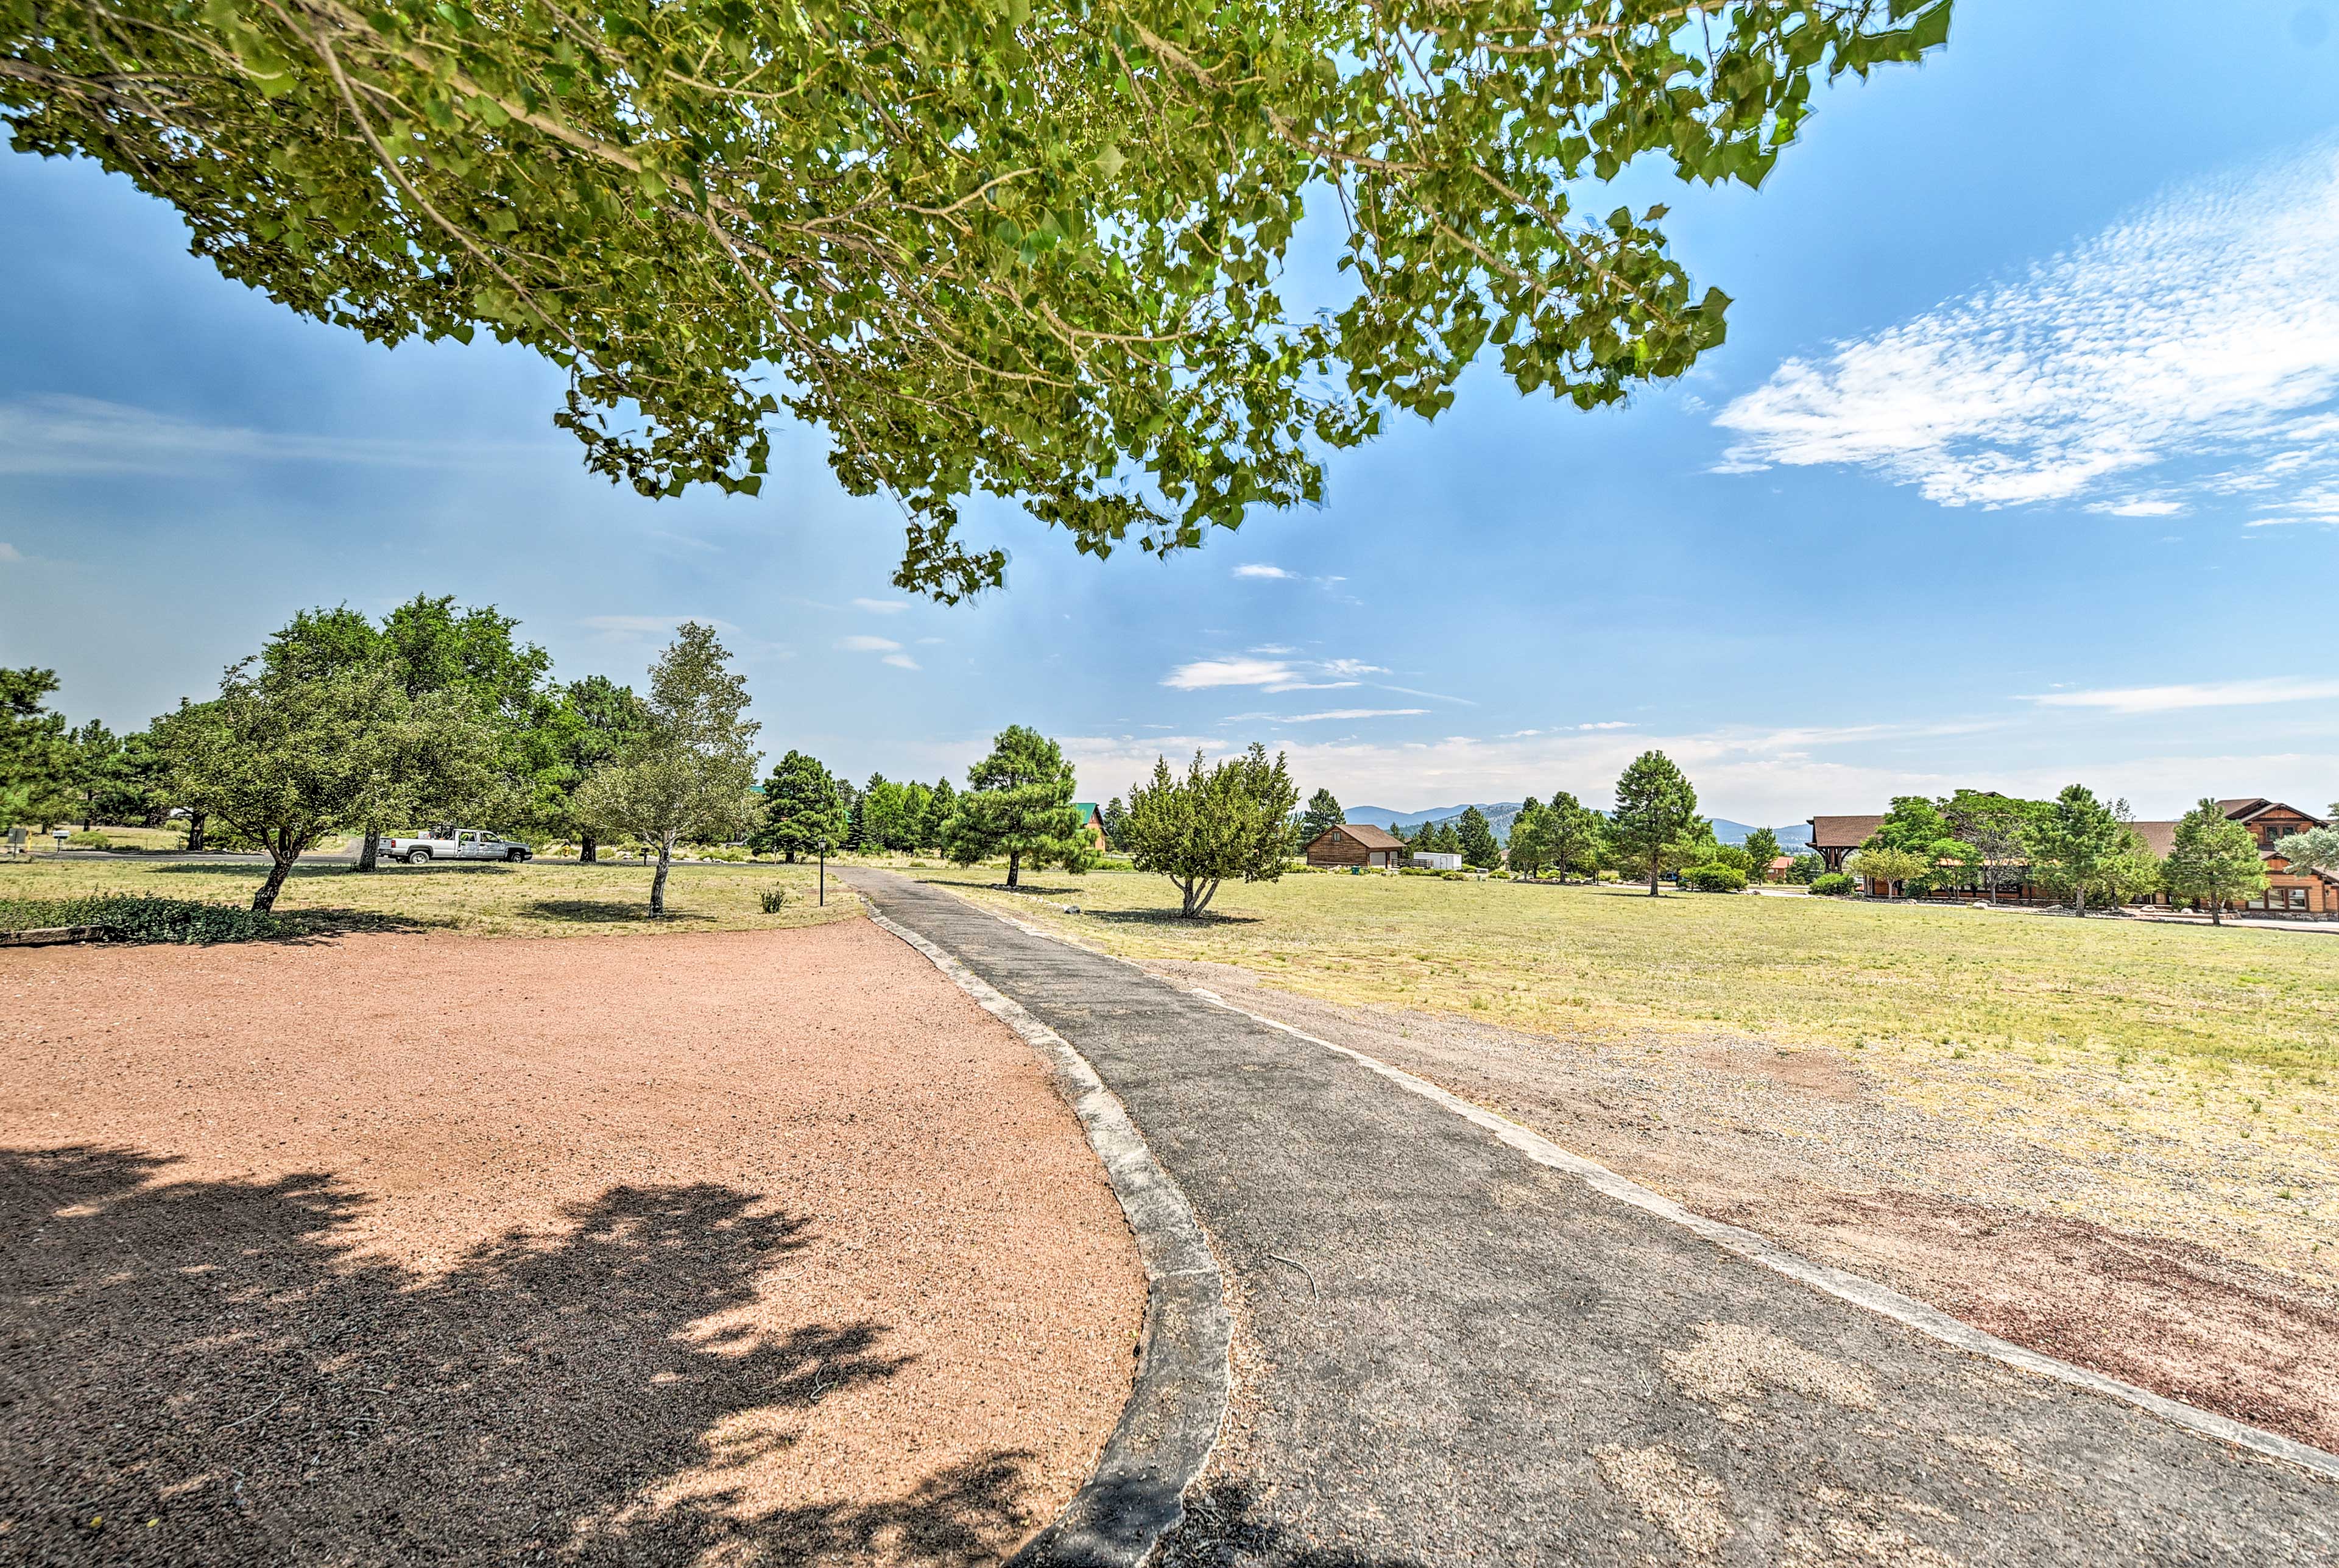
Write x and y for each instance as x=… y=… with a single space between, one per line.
x=1498 y=816
x=1791 y=839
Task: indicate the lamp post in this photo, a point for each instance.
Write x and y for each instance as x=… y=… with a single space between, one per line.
x=823 y=874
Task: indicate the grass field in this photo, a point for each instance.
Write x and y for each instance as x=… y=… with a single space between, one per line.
x=2245 y=1014
x=533 y=899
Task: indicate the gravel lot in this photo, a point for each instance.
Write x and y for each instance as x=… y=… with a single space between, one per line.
x=1981 y=1221
x=762 y=1246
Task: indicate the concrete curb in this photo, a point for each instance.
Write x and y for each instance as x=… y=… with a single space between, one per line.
x=1136 y=1493
x=1856 y=1289
x=52 y=935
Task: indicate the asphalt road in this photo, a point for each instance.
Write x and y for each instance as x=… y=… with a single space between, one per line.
x=1457 y=1356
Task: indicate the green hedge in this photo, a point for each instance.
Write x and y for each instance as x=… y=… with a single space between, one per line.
x=1715 y=878
x=143 y=918
x=1832 y=885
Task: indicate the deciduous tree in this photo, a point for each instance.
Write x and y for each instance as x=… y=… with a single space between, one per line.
x=589 y=724
x=287 y=753
x=1655 y=807
x=1027 y=250
x=1761 y=849
x=689 y=771
x=1212 y=825
x=1019 y=803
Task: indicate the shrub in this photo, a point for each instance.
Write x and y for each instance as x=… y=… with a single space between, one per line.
x=91 y=840
x=143 y=918
x=1457 y=876
x=1715 y=878
x=1415 y=870
x=1831 y=884
x=1803 y=868
x=774 y=899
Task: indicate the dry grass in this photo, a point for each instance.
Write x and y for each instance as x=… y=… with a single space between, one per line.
x=2154 y=1025
x=532 y=898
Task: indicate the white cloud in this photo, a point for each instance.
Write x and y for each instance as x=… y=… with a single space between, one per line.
x=1262 y=569
x=2204 y=325
x=1608 y=724
x=57 y=434
x=864 y=644
x=881 y=607
x=2139 y=507
x=900 y=661
x=1352 y=713
x=9 y=553
x=1205 y=673
x=2202 y=694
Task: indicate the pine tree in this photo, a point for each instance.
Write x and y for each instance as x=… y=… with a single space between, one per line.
x=2214 y=859
x=802 y=810
x=1476 y=837
x=2072 y=839
x=939 y=805
x=1019 y=803
x=1655 y=805
x=1323 y=814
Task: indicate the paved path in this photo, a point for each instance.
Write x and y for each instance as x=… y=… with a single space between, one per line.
x=1466 y=1357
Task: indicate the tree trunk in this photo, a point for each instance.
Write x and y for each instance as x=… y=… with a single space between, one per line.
x=792 y=855
x=1656 y=857
x=194 y=830
x=657 y=882
x=1208 y=894
x=588 y=849
x=369 y=857
x=1014 y=867
x=1186 y=898
x=2217 y=912
x=265 y=899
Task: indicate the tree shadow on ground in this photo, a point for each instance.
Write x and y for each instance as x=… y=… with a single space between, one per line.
x=598 y=912
x=1228 y=1523
x=210 y=1371
x=1169 y=917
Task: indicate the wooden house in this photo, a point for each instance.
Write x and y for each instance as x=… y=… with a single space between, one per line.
x=1092 y=824
x=1353 y=845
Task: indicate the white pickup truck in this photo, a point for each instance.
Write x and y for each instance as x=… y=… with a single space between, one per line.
x=455 y=844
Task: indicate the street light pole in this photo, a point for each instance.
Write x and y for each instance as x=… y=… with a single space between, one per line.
x=823 y=874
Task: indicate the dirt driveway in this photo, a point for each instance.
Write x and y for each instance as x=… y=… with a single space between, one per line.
x=732 y=1248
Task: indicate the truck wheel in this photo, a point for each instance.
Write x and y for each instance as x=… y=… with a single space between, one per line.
x=515 y=855
x=415 y=854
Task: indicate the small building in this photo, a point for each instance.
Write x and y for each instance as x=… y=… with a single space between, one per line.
x=1436 y=860
x=2293 y=891
x=1092 y=823
x=1354 y=843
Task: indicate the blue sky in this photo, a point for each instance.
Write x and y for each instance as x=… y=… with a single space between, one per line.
x=2020 y=466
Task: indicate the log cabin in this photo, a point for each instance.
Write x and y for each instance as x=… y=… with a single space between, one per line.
x=1355 y=843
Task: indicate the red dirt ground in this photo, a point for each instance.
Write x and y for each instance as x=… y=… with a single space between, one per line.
x=730 y=1249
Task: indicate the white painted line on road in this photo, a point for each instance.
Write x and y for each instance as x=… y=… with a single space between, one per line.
x=1881 y=1299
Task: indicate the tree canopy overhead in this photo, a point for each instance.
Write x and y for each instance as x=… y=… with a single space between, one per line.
x=1028 y=250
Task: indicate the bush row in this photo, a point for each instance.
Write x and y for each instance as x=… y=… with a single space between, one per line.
x=126 y=918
